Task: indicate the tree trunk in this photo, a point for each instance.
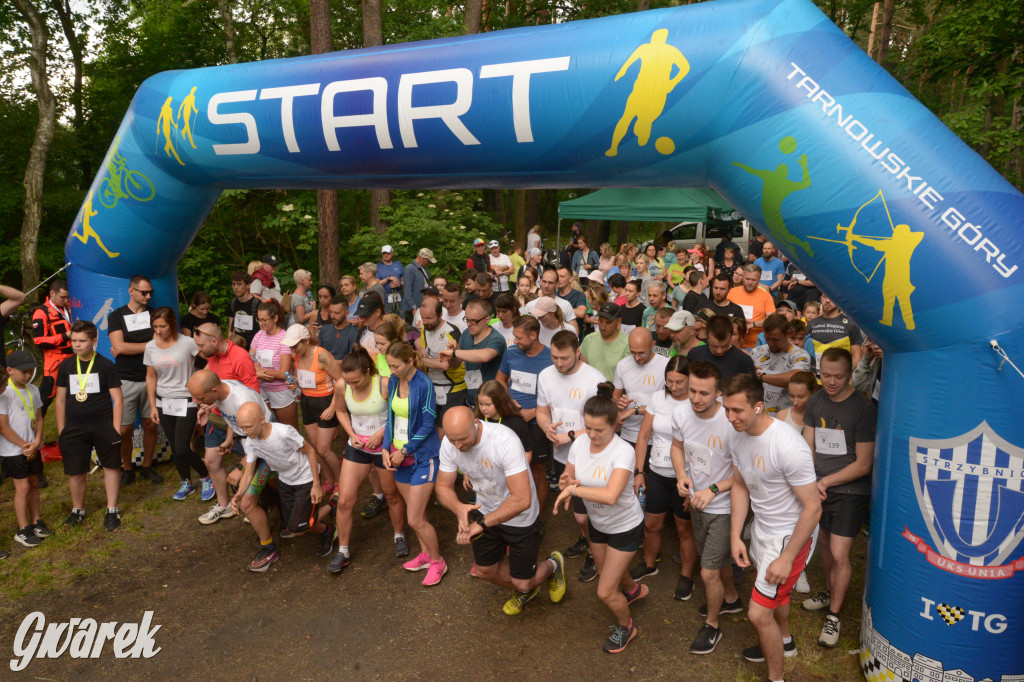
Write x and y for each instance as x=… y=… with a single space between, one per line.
x=373 y=36
x=888 y=8
x=519 y=224
x=326 y=200
x=67 y=25
x=228 y=20
x=643 y=5
x=35 y=169
x=473 y=16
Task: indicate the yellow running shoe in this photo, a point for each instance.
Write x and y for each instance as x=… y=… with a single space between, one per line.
x=556 y=583
x=514 y=606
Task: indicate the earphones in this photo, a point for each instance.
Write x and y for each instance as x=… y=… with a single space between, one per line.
x=757 y=410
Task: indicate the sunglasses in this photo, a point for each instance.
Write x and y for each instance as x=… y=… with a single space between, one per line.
x=145 y=292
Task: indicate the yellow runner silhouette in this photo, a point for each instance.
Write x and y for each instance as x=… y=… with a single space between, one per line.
x=650 y=91
x=185 y=115
x=87 y=231
x=163 y=125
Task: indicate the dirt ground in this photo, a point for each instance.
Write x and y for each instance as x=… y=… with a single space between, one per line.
x=375 y=621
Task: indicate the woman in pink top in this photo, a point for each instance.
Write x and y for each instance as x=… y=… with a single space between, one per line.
x=273 y=360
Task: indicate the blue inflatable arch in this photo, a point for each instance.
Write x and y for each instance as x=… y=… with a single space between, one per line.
x=765 y=101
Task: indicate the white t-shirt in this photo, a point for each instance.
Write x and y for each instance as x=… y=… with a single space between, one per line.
x=639 y=382
x=594 y=470
x=436 y=341
x=565 y=395
x=707 y=461
x=545 y=334
x=662 y=406
x=260 y=290
x=776 y=397
x=455 y=320
x=771 y=465
x=567 y=311
x=240 y=394
x=500 y=281
x=498 y=455
x=506 y=333
x=282 y=451
x=17 y=416
x=173 y=366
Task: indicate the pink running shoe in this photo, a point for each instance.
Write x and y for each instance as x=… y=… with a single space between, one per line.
x=435 y=573
x=418 y=563
x=472 y=570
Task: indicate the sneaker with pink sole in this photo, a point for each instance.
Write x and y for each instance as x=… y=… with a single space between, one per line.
x=435 y=573
x=418 y=563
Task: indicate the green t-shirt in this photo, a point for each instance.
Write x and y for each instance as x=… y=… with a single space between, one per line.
x=604 y=356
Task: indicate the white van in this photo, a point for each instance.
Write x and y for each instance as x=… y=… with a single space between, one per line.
x=688 y=234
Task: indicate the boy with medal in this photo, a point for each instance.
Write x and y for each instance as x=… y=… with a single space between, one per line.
x=90 y=419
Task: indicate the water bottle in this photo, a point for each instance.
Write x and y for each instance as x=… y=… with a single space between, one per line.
x=642 y=497
x=292 y=386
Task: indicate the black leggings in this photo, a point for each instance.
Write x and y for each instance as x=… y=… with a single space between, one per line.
x=179 y=437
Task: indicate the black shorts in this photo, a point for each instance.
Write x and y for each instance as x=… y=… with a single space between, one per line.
x=626 y=541
x=662 y=495
x=296 y=506
x=313 y=406
x=20 y=466
x=541 y=445
x=79 y=439
x=456 y=399
x=362 y=457
x=522 y=543
x=577 y=504
x=843 y=514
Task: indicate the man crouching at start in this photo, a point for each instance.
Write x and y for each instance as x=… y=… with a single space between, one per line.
x=295 y=461
x=492 y=458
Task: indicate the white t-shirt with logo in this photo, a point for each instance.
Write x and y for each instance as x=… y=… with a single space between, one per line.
x=639 y=382
x=546 y=334
x=594 y=470
x=776 y=397
x=240 y=395
x=662 y=406
x=488 y=464
x=500 y=261
x=458 y=321
x=565 y=394
x=771 y=465
x=282 y=451
x=707 y=460
x=18 y=417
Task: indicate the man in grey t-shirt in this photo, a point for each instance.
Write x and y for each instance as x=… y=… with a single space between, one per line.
x=839 y=425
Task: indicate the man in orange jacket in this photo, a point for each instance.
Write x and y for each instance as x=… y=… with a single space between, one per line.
x=51 y=331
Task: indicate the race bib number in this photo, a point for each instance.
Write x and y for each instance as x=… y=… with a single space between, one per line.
x=474 y=378
x=305 y=379
x=748 y=311
x=401 y=429
x=367 y=424
x=829 y=442
x=767 y=276
x=441 y=395
x=753 y=481
x=661 y=454
x=571 y=420
x=800 y=277
x=489 y=493
x=698 y=457
x=265 y=358
x=394 y=297
x=92 y=383
x=243 y=322
x=772 y=393
x=175 y=407
x=524 y=382
x=134 y=323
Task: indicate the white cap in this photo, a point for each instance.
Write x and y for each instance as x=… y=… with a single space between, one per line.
x=294 y=334
x=680 y=319
x=386 y=249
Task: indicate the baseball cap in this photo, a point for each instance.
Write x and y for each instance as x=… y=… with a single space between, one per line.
x=368 y=305
x=494 y=242
x=680 y=319
x=704 y=314
x=478 y=241
x=545 y=305
x=21 y=359
x=428 y=254
x=386 y=249
x=270 y=259
x=294 y=334
x=596 y=276
x=694 y=250
x=789 y=304
x=609 y=311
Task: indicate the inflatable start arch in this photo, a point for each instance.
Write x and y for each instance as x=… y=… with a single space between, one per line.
x=765 y=101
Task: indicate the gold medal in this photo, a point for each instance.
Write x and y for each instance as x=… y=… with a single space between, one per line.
x=81 y=396
x=83 y=379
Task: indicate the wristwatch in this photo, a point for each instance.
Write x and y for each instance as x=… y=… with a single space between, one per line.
x=572 y=436
x=636 y=410
x=714 y=488
x=477 y=517
x=405 y=451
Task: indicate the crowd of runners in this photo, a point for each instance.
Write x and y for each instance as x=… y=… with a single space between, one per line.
x=717 y=392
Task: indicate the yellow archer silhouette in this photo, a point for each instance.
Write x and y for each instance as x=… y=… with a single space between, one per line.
x=87 y=231
x=185 y=111
x=163 y=124
x=896 y=286
x=650 y=91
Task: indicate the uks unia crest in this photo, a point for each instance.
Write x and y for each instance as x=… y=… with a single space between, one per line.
x=971 y=492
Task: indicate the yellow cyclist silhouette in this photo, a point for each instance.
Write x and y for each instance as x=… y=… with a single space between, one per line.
x=87 y=231
x=163 y=125
x=185 y=115
x=896 y=286
x=650 y=91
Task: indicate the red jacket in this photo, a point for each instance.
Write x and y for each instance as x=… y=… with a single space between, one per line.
x=51 y=329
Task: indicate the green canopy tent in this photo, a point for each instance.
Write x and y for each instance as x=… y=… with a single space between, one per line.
x=642 y=204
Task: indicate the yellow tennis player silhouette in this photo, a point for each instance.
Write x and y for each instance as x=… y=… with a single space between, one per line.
x=650 y=91
x=185 y=115
x=163 y=125
x=87 y=231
